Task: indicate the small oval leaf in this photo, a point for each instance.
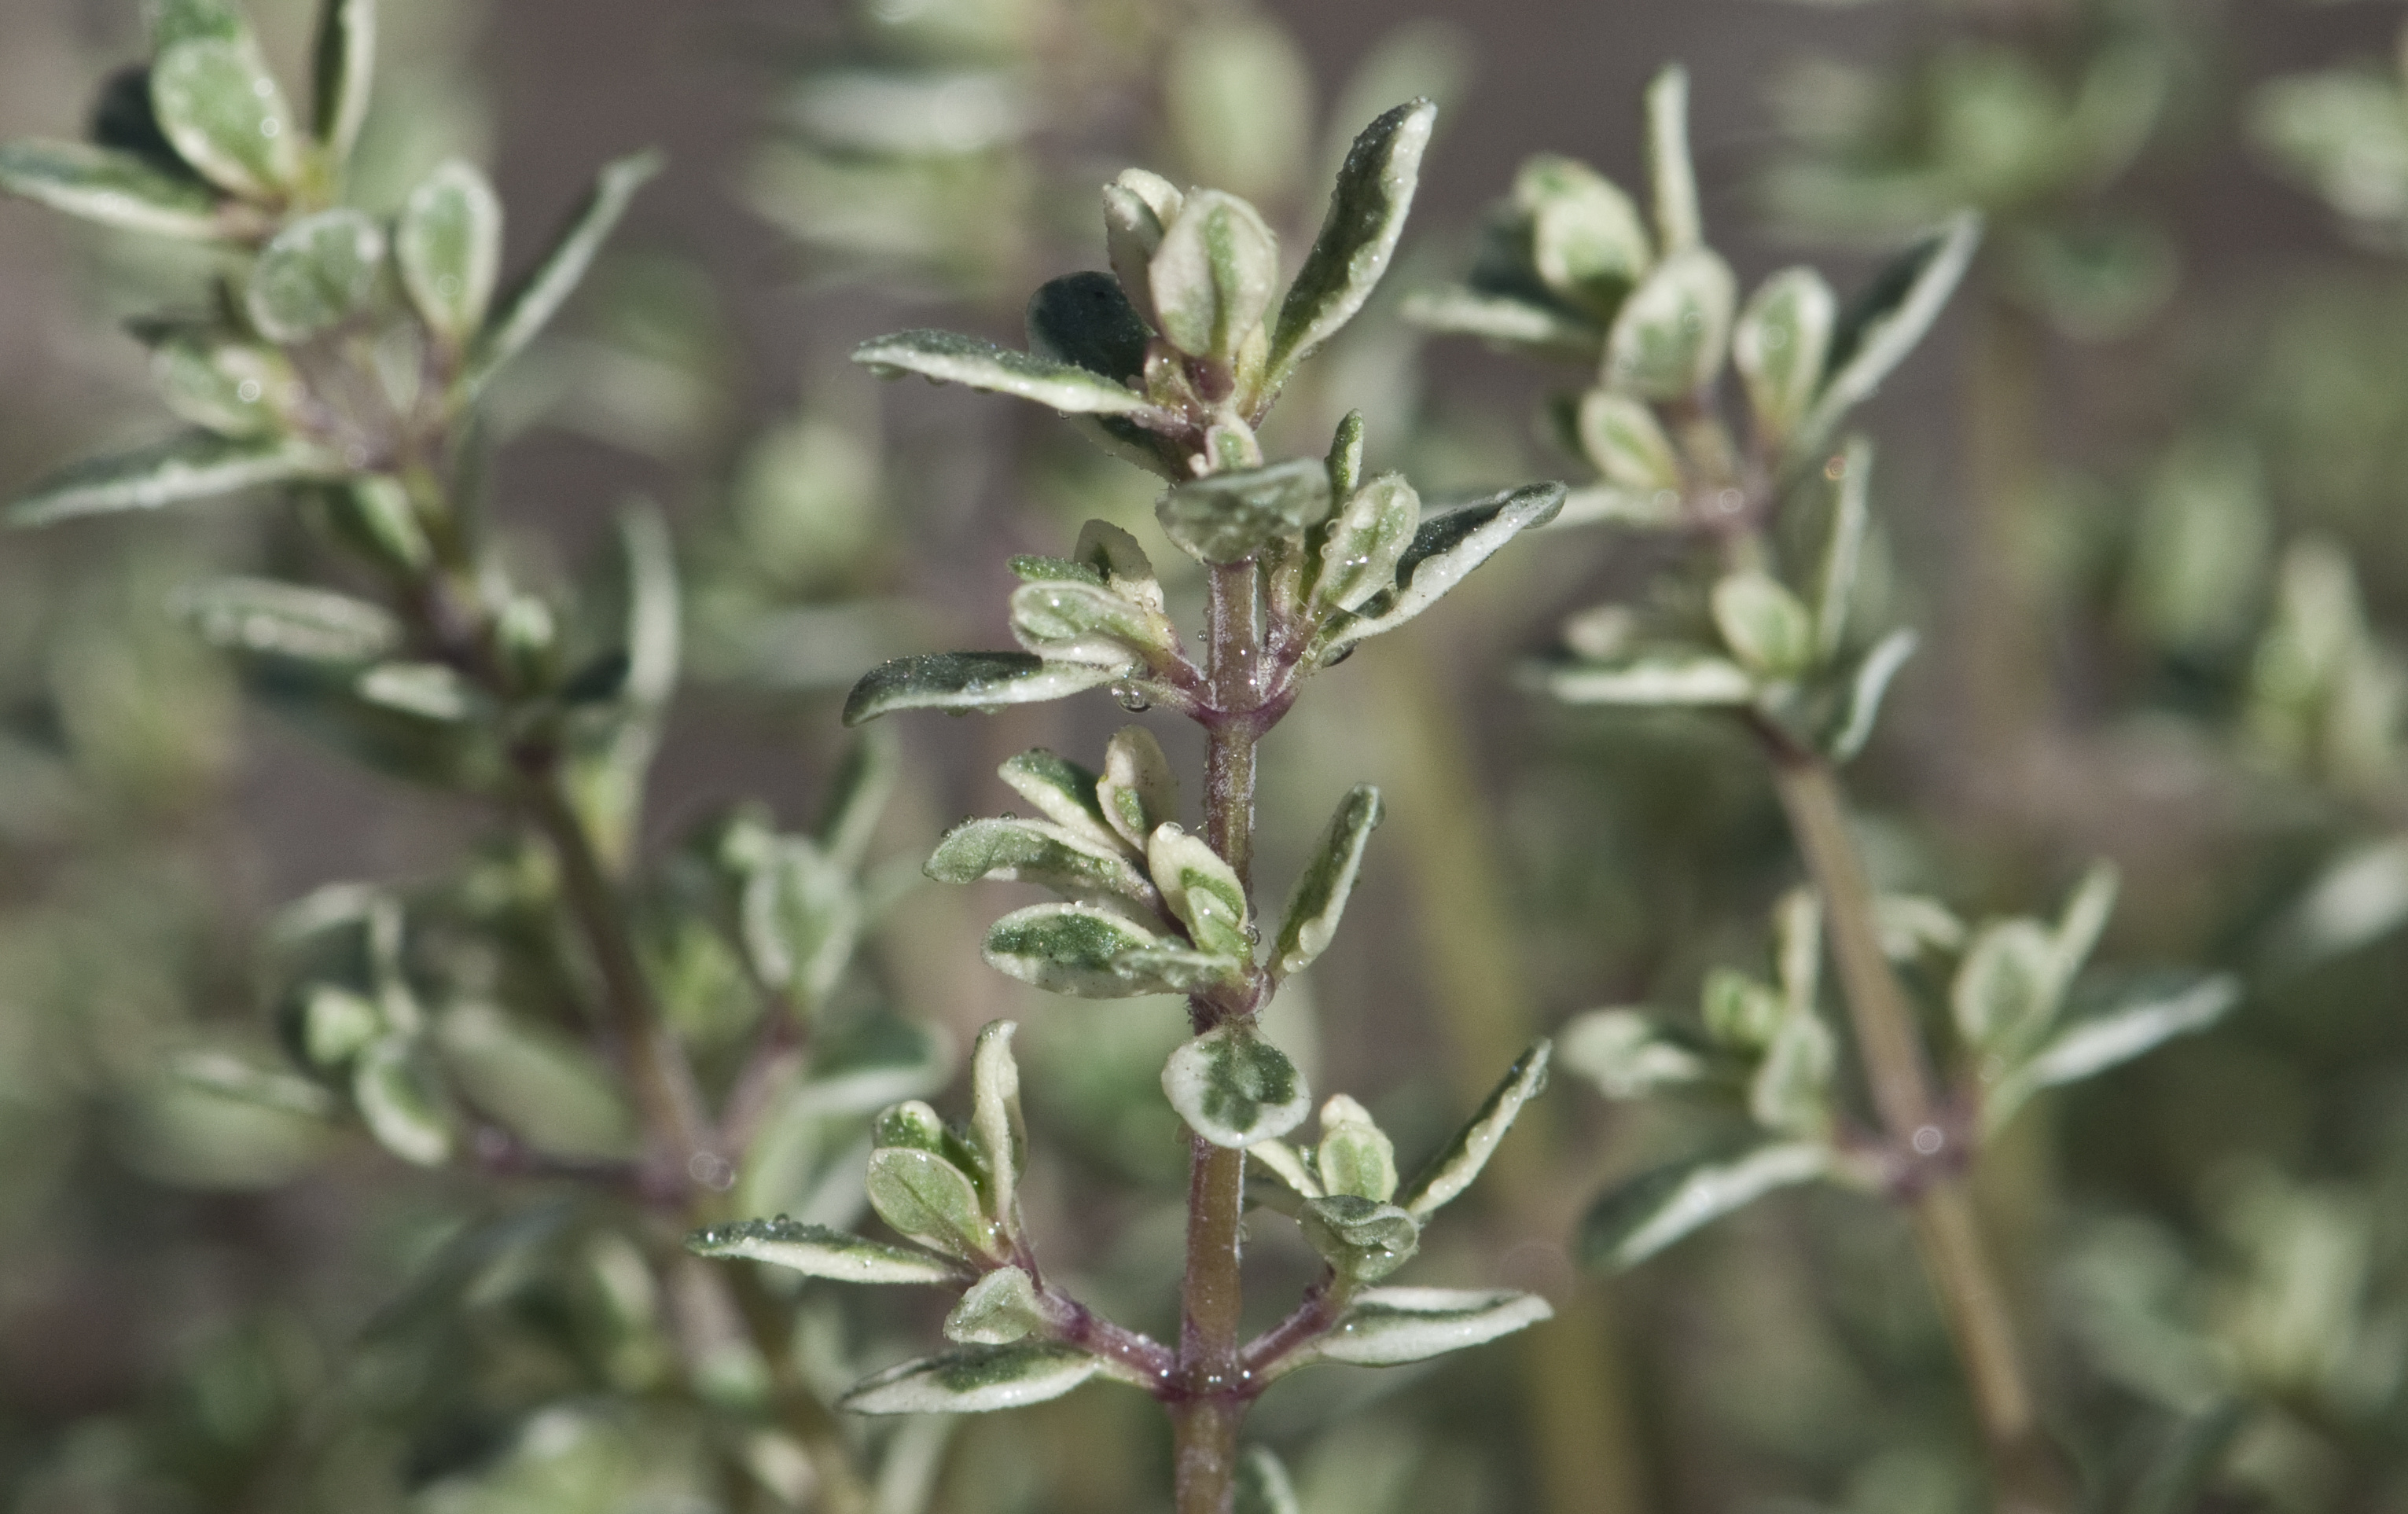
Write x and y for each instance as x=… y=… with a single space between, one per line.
x=1233 y=1088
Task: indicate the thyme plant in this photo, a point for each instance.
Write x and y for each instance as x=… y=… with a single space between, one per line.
x=674 y=1041
x=1762 y=630
x=1172 y=362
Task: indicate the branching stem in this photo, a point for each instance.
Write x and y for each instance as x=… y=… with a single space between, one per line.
x=1210 y=1391
x=2030 y=1480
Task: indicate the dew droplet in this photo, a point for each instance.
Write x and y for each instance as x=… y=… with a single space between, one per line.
x=248 y=391
x=1132 y=696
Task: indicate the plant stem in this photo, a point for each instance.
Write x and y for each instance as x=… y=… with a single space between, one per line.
x=1210 y=1394
x=664 y=1083
x=2031 y=1478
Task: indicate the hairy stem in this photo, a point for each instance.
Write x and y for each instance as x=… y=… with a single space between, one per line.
x=2030 y=1480
x=1208 y=1397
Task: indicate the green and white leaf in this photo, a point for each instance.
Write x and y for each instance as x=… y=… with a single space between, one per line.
x=967 y=681
x=317 y=274
x=1391 y=1326
x=1791 y=1089
x=1624 y=441
x=1455 y=1168
x=1626 y=1054
x=1738 y=1010
x=1362 y=1239
x=1779 y=346
x=1887 y=322
x=1318 y=901
x=999 y=1132
x=1445 y=550
x=1365 y=543
x=947 y=357
x=1235 y=1088
x=1843 y=548
x=113 y=188
x=1065 y=794
x=1866 y=692
x=856 y=797
x=195 y=465
x=1667 y=676
x=531 y=305
x=802 y=915
x=976 y=1379
x=997 y=1309
x=287 y=619
x=1767 y=628
x=1678 y=221
x=1289 y=1165
x=1137 y=206
x=186 y=21
x=1212 y=277
x=1067 y=620
x=1499 y=318
x=928 y=1199
x=2089 y=1044
x=1137 y=792
x=430 y=690
x=1587 y=243
x=1634 y=1221
x=344 y=72
x=2006 y=990
x=1611 y=504
x=449 y=248
x=222 y=110
x=817 y=1252
x=1229 y=517
x=234 y=388
x=1085 y=951
x=1117 y=556
x=1201 y=890
x=1072 y=864
x=402 y=1099
x=1358 y=236
x=1671 y=338
x=1355 y=1155
x=1263 y=1485
x=230 y=1076
x=337 y=1024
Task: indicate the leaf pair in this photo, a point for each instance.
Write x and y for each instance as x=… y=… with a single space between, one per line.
x=1354 y=1159
x=2010 y=995
x=1184 y=342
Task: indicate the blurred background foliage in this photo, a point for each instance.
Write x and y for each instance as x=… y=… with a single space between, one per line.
x=2145 y=500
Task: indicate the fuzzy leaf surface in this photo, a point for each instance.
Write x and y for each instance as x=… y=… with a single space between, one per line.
x=1390 y=1326
x=1081 y=951
x=1234 y=1089
x=1318 y=901
x=817 y=1252
x=976 y=1379
x=965 y=681
x=1455 y=1168
x=1358 y=236
x=1229 y=517
x=1445 y=550
x=530 y=306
